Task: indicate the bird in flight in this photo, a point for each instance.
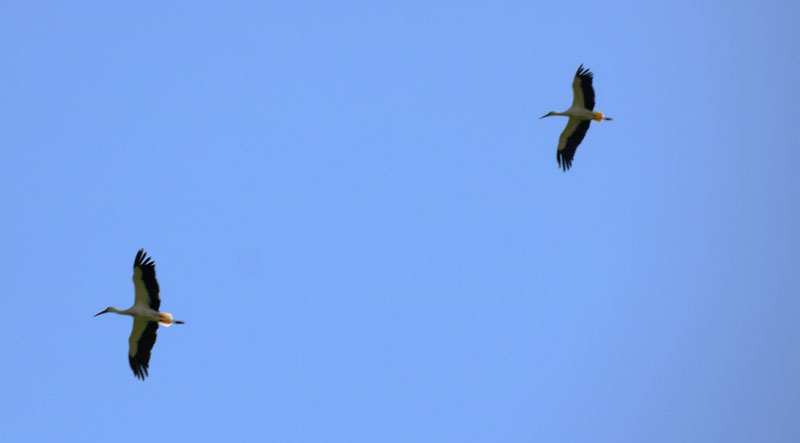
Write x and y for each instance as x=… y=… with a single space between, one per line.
x=580 y=114
x=144 y=311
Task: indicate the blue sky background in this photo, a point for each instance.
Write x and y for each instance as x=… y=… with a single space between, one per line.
x=357 y=213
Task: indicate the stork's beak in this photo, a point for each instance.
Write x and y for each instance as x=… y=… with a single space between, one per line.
x=101 y=312
x=544 y=116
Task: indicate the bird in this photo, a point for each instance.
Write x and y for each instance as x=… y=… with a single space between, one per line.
x=580 y=114
x=146 y=316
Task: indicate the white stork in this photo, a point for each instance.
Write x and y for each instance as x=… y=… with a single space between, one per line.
x=580 y=114
x=144 y=311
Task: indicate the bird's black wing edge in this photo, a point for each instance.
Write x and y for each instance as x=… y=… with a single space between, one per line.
x=148 y=267
x=564 y=157
x=141 y=361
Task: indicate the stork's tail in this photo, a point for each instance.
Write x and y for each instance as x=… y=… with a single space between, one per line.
x=165 y=319
x=598 y=116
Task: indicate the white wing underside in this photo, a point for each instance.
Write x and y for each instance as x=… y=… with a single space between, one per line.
x=139 y=323
x=577 y=93
x=572 y=125
x=142 y=297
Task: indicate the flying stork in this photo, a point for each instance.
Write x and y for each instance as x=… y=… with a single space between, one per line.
x=144 y=311
x=580 y=114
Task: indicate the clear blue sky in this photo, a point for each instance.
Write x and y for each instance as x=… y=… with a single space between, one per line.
x=357 y=213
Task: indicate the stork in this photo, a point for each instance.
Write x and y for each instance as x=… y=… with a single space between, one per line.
x=144 y=311
x=580 y=114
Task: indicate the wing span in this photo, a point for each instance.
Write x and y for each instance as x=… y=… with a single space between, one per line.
x=582 y=90
x=144 y=281
x=569 y=140
x=140 y=343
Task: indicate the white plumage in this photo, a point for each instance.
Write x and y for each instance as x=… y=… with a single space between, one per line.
x=144 y=311
x=580 y=114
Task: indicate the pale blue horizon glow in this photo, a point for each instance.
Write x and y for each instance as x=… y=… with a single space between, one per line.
x=358 y=214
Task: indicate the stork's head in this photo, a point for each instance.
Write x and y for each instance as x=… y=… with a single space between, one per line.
x=108 y=309
x=548 y=114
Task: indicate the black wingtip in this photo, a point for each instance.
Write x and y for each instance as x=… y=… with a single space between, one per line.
x=584 y=72
x=139 y=370
x=139 y=256
x=563 y=162
x=143 y=260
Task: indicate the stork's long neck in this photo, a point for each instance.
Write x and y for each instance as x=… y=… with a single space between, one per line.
x=551 y=113
x=120 y=311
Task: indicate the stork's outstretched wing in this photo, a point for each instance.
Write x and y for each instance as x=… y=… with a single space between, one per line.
x=582 y=90
x=570 y=139
x=140 y=343
x=144 y=281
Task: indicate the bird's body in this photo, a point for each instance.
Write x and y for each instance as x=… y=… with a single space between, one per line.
x=580 y=114
x=146 y=316
x=145 y=313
